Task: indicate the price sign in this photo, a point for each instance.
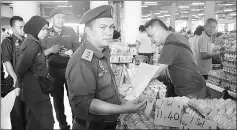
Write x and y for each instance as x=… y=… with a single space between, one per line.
x=168 y=113
x=191 y=122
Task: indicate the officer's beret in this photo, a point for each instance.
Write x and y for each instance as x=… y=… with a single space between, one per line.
x=56 y=11
x=104 y=11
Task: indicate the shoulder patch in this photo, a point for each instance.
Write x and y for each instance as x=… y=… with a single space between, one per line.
x=87 y=55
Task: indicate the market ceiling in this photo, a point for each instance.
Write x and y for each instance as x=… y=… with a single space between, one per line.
x=160 y=9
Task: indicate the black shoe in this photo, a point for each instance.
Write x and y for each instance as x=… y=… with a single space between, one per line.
x=67 y=127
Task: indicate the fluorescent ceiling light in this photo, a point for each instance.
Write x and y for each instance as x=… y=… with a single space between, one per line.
x=198 y=3
x=157 y=13
x=195 y=9
x=228 y=4
x=144 y=16
x=164 y=11
x=59 y=1
x=227 y=10
x=63 y=6
x=166 y=15
x=161 y=16
x=144 y=6
x=233 y=14
x=201 y=14
x=150 y=2
x=183 y=6
x=185 y=12
x=56 y=1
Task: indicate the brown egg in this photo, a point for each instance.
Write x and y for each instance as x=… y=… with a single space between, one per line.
x=222 y=110
x=206 y=110
x=140 y=126
x=142 y=97
x=213 y=113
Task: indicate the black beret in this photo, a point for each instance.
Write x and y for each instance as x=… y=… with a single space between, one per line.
x=104 y=11
x=56 y=11
x=34 y=25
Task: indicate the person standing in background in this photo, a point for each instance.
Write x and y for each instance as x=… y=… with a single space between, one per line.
x=10 y=56
x=3 y=34
x=193 y=42
x=59 y=35
x=204 y=60
x=143 y=42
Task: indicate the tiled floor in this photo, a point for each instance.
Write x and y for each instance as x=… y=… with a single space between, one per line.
x=67 y=111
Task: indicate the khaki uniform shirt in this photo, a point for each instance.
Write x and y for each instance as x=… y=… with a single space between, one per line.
x=89 y=76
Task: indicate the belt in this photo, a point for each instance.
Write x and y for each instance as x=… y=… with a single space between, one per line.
x=96 y=124
x=60 y=65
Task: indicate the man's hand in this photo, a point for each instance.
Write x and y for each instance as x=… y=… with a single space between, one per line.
x=56 y=48
x=64 y=52
x=14 y=82
x=53 y=49
x=222 y=52
x=134 y=106
x=17 y=91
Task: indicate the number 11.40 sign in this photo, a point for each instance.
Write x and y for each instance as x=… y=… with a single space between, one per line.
x=168 y=113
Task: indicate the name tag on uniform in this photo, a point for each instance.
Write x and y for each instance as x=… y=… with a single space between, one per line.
x=66 y=36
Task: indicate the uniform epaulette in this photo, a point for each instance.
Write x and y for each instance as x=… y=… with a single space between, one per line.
x=87 y=55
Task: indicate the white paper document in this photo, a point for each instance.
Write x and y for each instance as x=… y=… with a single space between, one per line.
x=143 y=76
x=7 y=104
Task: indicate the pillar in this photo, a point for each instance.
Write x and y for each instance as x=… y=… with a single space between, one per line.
x=26 y=9
x=116 y=15
x=189 y=22
x=172 y=15
x=226 y=22
x=94 y=4
x=132 y=19
x=209 y=10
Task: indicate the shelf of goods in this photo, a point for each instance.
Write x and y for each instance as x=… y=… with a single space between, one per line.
x=119 y=56
x=179 y=112
x=226 y=77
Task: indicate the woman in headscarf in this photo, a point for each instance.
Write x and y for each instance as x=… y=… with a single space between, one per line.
x=31 y=65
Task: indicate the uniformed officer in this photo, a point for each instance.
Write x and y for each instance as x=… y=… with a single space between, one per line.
x=58 y=34
x=93 y=94
x=31 y=65
x=10 y=56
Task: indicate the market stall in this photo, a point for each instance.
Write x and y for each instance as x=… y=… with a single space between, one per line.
x=225 y=77
x=164 y=112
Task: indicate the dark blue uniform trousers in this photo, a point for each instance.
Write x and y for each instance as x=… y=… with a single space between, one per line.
x=18 y=115
x=59 y=80
x=40 y=116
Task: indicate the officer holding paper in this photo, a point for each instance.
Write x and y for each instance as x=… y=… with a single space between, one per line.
x=93 y=94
